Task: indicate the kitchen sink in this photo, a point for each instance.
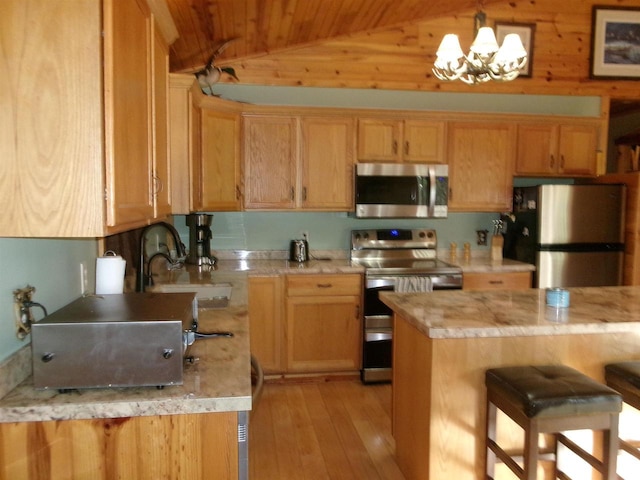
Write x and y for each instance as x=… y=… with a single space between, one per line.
x=209 y=295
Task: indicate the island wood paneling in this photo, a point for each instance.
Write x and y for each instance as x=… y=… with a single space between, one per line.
x=348 y=47
x=439 y=394
x=202 y=446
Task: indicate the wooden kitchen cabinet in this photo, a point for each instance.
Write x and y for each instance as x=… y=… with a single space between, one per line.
x=481 y=164
x=393 y=140
x=323 y=327
x=266 y=322
x=193 y=446
x=184 y=131
x=298 y=163
x=327 y=163
x=79 y=153
x=270 y=154
x=555 y=149
x=136 y=89
x=496 y=281
x=219 y=163
x=161 y=173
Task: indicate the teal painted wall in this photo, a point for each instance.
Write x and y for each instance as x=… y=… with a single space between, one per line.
x=327 y=231
x=404 y=100
x=52 y=267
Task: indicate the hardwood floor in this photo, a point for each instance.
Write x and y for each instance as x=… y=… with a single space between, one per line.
x=323 y=430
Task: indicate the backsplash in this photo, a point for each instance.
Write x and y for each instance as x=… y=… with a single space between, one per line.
x=253 y=231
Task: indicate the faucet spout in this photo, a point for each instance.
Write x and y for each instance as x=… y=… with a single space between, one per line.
x=144 y=277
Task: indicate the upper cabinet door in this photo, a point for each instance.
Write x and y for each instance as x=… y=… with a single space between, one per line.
x=161 y=173
x=423 y=141
x=220 y=166
x=379 y=140
x=128 y=112
x=481 y=166
x=578 y=150
x=51 y=137
x=327 y=163
x=537 y=149
x=270 y=153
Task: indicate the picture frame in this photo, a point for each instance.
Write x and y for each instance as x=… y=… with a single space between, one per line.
x=527 y=33
x=615 y=52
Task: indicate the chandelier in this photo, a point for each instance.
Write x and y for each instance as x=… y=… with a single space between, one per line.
x=485 y=61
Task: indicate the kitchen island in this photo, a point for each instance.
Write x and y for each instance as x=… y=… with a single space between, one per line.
x=445 y=341
x=184 y=431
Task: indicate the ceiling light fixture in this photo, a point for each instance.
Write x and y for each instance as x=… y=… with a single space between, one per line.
x=485 y=61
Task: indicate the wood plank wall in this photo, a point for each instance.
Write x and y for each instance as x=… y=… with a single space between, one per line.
x=401 y=58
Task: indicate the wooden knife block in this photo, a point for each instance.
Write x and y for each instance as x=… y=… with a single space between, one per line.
x=497 y=242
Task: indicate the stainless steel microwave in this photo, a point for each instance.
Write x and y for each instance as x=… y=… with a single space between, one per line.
x=396 y=190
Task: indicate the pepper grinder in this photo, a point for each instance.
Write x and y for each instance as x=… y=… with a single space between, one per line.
x=453 y=251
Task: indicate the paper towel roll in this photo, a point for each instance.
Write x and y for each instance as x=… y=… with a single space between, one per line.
x=110 y=274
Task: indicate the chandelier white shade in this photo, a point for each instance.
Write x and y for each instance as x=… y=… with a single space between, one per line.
x=485 y=61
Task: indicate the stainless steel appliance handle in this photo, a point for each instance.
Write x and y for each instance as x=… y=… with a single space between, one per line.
x=432 y=190
x=378 y=335
x=381 y=282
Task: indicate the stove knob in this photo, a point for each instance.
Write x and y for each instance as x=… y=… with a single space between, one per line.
x=429 y=235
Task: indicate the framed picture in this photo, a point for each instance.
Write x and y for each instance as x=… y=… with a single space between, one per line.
x=526 y=32
x=615 y=42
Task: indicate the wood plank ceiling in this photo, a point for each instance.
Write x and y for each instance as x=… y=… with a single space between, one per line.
x=264 y=27
x=386 y=44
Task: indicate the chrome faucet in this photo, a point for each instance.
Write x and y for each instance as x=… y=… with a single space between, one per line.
x=143 y=275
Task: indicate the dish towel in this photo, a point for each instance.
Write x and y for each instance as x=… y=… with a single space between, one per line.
x=413 y=284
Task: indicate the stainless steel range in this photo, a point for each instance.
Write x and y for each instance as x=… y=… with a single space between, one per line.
x=394 y=259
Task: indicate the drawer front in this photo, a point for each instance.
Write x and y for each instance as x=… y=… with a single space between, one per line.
x=314 y=285
x=496 y=281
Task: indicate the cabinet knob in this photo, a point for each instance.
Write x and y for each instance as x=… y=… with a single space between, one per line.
x=304 y=194
x=325 y=285
x=561 y=161
x=237 y=192
x=552 y=161
x=394 y=146
x=293 y=193
x=406 y=147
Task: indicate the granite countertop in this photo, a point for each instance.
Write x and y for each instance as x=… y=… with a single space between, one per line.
x=484 y=264
x=504 y=313
x=219 y=381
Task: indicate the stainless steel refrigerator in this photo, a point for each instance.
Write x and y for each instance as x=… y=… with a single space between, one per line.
x=574 y=234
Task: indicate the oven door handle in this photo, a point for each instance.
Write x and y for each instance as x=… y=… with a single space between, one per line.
x=378 y=335
x=381 y=282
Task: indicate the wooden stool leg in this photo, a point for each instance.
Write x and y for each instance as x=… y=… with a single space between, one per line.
x=610 y=449
x=490 y=458
x=532 y=435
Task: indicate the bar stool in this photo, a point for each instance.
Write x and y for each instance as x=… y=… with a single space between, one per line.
x=550 y=399
x=624 y=377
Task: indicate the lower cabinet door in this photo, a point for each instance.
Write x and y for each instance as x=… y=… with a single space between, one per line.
x=323 y=334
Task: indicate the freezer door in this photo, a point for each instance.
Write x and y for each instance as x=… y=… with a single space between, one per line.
x=570 y=214
x=578 y=269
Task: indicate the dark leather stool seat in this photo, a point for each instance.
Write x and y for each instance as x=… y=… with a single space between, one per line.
x=551 y=399
x=624 y=377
